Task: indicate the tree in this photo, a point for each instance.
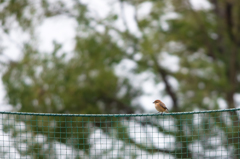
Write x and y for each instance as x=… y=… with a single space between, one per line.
x=82 y=82
x=205 y=41
x=41 y=79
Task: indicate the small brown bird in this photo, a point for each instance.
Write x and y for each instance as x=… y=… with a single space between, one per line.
x=160 y=106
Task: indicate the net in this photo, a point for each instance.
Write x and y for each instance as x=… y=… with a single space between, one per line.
x=198 y=135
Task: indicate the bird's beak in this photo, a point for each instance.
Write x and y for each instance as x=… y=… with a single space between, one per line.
x=153 y=102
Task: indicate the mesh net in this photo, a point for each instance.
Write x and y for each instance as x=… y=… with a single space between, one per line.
x=203 y=135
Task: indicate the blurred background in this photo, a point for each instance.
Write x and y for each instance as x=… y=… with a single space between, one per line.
x=118 y=56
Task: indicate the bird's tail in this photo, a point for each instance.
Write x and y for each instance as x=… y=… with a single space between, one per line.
x=168 y=112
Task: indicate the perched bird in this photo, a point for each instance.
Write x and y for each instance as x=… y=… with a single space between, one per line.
x=160 y=106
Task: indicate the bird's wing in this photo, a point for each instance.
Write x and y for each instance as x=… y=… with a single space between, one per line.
x=163 y=105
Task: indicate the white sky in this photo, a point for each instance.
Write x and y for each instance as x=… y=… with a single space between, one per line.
x=62 y=29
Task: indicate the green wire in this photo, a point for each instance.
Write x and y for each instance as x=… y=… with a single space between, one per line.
x=118 y=115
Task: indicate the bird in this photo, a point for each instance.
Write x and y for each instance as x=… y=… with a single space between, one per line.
x=160 y=106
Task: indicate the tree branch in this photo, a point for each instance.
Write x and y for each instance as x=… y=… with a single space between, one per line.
x=168 y=86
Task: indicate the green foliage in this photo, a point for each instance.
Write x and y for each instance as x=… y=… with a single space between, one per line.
x=82 y=82
x=205 y=42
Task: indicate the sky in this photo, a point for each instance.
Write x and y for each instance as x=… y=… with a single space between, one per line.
x=62 y=30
